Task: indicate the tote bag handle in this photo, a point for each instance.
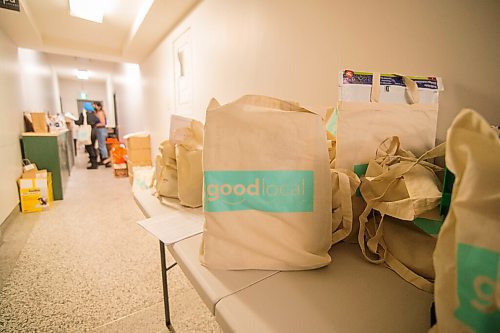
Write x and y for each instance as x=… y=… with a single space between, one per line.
x=345 y=208
x=411 y=88
x=84 y=117
x=271 y=102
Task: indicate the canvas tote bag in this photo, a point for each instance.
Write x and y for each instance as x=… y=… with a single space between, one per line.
x=166 y=171
x=399 y=185
x=361 y=126
x=344 y=185
x=467 y=255
x=188 y=152
x=267 y=187
x=84 y=131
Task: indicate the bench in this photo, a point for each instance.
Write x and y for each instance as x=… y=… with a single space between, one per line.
x=349 y=295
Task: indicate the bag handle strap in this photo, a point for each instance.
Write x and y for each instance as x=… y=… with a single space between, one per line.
x=84 y=117
x=389 y=178
x=265 y=101
x=406 y=273
x=345 y=207
x=377 y=246
x=402 y=169
x=363 y=229
x=411 y=88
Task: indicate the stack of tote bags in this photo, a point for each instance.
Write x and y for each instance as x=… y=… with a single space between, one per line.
x=178 y=167
x=276 y=193
x=373 y=107
x=398 y=187
x=385 y=127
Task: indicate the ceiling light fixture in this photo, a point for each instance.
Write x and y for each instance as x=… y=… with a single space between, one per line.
x=90 y=10
x=82 y=74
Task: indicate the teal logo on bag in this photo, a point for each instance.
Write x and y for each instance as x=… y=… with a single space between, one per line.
x=478 y=286
x=269 y=191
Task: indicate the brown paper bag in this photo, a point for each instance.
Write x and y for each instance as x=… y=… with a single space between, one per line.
x=165 y=180
x=267 y=193
x=188 y=150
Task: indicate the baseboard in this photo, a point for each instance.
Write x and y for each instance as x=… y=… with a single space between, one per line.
x=11 y=217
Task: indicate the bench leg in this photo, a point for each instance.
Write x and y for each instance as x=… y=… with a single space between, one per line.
x=165 y=285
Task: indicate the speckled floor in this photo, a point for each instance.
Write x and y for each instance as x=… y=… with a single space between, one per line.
x=85 y=265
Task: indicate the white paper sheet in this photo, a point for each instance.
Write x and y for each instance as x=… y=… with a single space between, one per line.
x=173 y=226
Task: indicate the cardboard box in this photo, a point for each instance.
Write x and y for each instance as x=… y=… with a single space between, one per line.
x=121 y=173
x=140 y=156
x=35 y=191
x=139 y=141
x=120 y=170
x=39 y=121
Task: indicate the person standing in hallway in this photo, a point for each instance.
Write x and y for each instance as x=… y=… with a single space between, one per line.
x=92 y=120
x=102 y=134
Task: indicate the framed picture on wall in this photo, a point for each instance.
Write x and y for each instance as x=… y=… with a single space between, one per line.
x=183 y=73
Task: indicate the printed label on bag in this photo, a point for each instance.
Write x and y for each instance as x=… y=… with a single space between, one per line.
x=269 y=191
x=478 y=281
x=351 y=77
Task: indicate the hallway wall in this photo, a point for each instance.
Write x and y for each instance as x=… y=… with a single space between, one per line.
x=294 y=50
x=131 y=107
x=26 y=84
x=70 y=91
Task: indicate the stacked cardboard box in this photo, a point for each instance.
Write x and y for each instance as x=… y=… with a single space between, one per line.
x=139 y=151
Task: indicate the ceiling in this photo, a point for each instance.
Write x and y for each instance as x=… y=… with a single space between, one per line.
x=48 y=27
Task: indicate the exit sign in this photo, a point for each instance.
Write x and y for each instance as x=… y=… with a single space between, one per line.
x=10 y=4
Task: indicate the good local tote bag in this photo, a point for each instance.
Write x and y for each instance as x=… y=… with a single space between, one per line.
x=267 y=187
x=84 y=131
x=361 y=126
x=467 y=255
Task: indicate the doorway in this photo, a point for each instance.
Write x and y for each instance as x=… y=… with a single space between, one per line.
x=80 y=102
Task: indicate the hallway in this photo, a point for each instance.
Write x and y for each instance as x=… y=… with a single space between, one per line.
x=85 y=265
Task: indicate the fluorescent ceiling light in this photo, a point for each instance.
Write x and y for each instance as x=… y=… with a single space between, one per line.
x=82 y=74
x=91 y=10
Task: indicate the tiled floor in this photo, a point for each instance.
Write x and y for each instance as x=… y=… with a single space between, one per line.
x=85 y=265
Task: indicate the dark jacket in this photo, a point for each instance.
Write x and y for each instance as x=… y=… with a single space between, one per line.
x=92 y=119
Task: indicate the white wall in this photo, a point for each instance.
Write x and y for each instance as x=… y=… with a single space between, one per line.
x=132 y=108
x=294 y=49
x=37 y=82
x=70 y=92
x=10 y=126
x=26 y=84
